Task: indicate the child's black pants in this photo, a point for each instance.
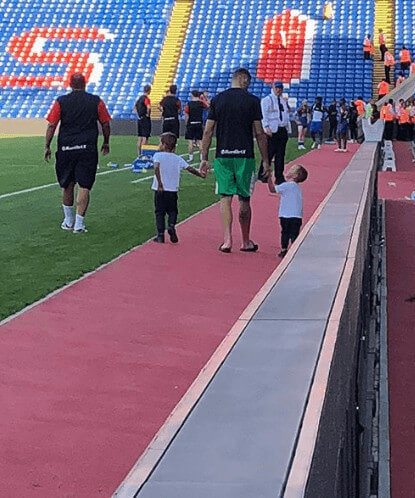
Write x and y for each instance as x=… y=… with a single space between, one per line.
x=290 y=228
x=165 y=203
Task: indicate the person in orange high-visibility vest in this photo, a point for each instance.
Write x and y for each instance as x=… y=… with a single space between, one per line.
x=405 y=59
x=389 y=62
x=400 y=79
x=403 y=123
x=383 y=88
x=367 y=48
x=360 y=105
x=387 y=114
x=382 y=44
x=412 y=68
x=328 y=13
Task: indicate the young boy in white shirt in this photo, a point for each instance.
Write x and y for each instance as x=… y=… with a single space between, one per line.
x=291 y=205
x=167 y=169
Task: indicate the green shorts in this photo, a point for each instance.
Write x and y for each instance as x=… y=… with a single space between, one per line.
x=234 y=176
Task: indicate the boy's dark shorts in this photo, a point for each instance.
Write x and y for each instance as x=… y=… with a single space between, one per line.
x=172 y=126
x=78 y=166
x=144 y=127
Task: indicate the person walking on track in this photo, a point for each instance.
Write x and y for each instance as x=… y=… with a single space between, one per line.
x=236 y=115
x=275 y=122
x=77 y=153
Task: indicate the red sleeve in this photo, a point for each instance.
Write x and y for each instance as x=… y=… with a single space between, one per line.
x=147 y=102
x=186 y=109
x=54 y=115
x=103 y=114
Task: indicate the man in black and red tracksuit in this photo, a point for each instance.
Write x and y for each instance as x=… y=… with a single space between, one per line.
x=77 y=153
x=143 y=109
x=193 y=112
x=170 y=107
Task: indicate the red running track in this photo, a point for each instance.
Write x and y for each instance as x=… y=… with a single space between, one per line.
x=400 y=238
x=90 y=375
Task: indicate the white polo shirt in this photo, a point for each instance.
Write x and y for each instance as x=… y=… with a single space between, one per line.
x=171 y=166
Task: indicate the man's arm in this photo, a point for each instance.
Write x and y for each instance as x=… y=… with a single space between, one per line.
x=50 y=132
x=262 y=145
x=206 y=142
x=106 y=131
x=264 y=109
x=157 y=174
x=271 y=184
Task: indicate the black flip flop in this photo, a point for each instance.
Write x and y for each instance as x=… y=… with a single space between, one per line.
x=226 y=250
x=253 y=248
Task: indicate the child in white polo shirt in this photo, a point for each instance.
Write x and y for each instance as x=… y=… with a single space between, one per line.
x=167 y=169
x=291 y=205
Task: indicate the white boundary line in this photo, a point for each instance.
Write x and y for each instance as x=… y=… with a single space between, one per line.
x=47 y=185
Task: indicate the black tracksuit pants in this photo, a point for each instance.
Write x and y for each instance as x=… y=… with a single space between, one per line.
x=165 y=203
x=290 y=228
x=276 y=151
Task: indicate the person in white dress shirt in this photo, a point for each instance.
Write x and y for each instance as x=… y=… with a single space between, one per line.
x=275 y=121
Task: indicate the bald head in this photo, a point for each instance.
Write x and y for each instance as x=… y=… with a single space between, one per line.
x=78 y=81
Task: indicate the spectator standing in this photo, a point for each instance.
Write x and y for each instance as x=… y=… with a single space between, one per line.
x=302 y=118
x=193 y=112
x=77 y=153
x=170 y=107
x=387 y=114
x=236 y=115
x=360 y=106
x=342 y=127
x=352 y=120
x=316 y=126
x=375 y=114
x=369 y=109
x=275 y=121
x=367 y=48
x=383 y=88
x=332 y=113
x=382 y=44
x=389 y=62
x=403 y=123
x=143 y=110
x=412 y=69
x=405 y=59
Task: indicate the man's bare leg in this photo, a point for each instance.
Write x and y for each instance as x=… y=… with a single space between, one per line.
x=82 y=201
x=190 y=150
x=140 y=142
x=245 y=222
x=67 y=203
x=227 y=218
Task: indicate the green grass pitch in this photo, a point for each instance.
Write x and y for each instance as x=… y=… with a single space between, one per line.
x=37 y=257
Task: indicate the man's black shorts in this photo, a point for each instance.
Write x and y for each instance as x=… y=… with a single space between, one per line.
x=172 y=126
x=78 y=166
x=144 y=127
x=194 y=132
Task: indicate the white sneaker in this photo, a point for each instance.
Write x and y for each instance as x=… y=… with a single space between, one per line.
x=80 y=230
x=338 y=150
x=303 y=147
x=319 y=146
x=313 y=146
x=66 y=226
x=345 y=150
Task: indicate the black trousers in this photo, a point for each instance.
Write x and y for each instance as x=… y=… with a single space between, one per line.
x=353 y=131
x=382 y=51
x=290 y=228
x=333 y=127
x=389 y=129
x=276 y=151
x=165 y=203
x=366 y=56
x=387 y=74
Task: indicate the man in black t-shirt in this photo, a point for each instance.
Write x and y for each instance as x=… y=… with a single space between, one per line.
x=143 y=110
x=170 y=107
x=237 y=117
x=77 y=154
x=193 y=112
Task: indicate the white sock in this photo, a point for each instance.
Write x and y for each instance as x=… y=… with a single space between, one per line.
x=67 y=211
x=190 y=157
x=79 y=221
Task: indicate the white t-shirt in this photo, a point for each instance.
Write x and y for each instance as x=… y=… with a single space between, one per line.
x=291 y=203
x=171 y=166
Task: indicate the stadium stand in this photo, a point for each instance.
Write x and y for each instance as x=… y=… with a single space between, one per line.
x=404 y=22
x=120 y=45
x=384 y=18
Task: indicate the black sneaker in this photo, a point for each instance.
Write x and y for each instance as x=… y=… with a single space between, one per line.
x=173 y=235
x=159 y=239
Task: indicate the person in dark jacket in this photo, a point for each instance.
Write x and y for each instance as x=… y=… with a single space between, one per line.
x=352 y=119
